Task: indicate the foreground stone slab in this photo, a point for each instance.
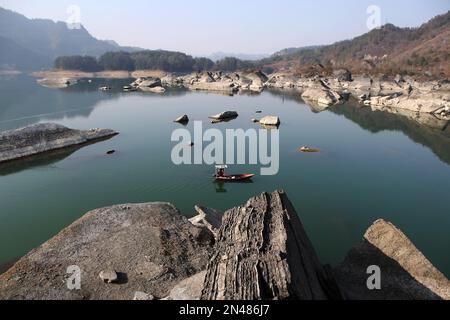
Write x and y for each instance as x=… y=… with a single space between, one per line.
x=263 y=252
x=188 y=289
x=405 y=272
x=150 y=246
x=45 y=137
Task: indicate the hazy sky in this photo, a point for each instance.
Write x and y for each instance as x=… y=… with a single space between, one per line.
x=239 y=26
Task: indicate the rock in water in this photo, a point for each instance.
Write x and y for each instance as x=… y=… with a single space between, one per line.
x=153 y=89
x=322 y=96
x=147 y=82
x=225 y=115
x=44 y=137
x=182 y=119
x=307 y=149
x=270 y=121
x=262 y=252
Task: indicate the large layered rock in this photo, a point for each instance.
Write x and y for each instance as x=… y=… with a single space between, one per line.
x=263 y=252
x=256 y=80
x=322 y=96
x=405 y=271
x=226 y=82
x=434 y=103
x=150 y=246
x=210 y=82
x=45 y=137
x=149 y=84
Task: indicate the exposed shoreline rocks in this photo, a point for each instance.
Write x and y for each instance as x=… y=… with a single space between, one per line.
x=432 y=97
x=45 y=137
x=261 y=252
x=57 y=83
x=148 y=84
x=402 y=92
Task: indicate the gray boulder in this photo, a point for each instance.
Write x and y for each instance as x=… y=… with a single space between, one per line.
x=270 y=121
x=225 y=115
x=45 y=137
x=406 y=274
x=182 y=119
x=321 y=96
x=150 y=246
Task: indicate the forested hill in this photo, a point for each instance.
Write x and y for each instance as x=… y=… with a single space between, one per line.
x=169 y=61
x=389 y=49
x=35 y=43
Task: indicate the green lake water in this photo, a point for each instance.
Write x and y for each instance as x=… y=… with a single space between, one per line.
x=372 y=165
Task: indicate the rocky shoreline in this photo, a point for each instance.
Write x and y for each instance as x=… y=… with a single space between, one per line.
x=377 y=92
x=45 y=137
x=260 y=251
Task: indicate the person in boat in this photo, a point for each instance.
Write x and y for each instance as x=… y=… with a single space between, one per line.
x=221 y=172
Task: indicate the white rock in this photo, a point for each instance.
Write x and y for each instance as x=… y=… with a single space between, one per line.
x=270 y=121
x=142 y=296
x=108 y=276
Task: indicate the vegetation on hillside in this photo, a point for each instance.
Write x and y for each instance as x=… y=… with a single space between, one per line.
x=148 y=60
x=388 y=50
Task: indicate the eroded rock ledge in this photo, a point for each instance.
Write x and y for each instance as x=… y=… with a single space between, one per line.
x=45 y=137
x=261 y=251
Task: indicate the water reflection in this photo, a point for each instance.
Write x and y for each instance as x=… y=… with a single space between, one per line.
x=24 y=102
x=422 y=128
x=221 y=186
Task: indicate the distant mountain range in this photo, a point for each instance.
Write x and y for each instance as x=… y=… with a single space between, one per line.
x=28 y=44
x=242 y=56
x=389 y=49
x=290 y=51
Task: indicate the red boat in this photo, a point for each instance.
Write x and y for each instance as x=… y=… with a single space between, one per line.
x=236 y=177
x=221 y=176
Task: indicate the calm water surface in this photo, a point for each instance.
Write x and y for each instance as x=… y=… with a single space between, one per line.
x=373 y=165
